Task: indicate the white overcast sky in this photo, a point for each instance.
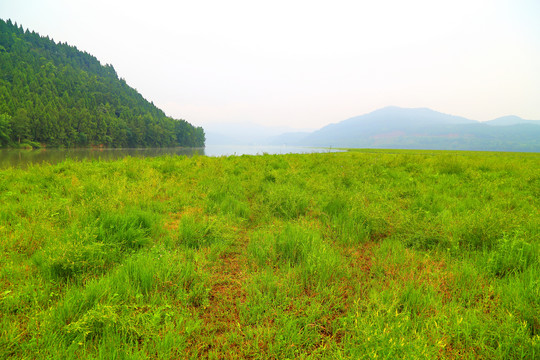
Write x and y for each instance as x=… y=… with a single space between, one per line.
x=307 y=63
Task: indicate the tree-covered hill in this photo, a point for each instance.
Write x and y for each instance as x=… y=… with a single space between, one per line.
x=52 y=93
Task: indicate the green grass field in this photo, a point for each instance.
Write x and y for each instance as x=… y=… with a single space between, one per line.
x=364 y=254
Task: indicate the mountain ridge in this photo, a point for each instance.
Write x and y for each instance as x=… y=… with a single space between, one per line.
x=511 y=120
x=423 y=128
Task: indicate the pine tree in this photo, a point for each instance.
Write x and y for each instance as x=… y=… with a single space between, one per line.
x=20 y=126
x=5 y=129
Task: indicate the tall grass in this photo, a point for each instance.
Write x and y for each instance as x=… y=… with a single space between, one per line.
x=364 y=254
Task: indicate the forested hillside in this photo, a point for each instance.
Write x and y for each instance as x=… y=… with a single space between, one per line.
x=53 y=94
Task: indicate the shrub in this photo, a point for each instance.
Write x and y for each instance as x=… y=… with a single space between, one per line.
x=126 y=231
x=195 y=233
x=286 y=202
x=512 y=255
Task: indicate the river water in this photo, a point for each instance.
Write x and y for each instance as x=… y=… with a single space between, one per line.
x=23 y=158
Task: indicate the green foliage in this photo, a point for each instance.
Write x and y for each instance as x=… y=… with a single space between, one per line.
x=95 y=247
x=5 y=129
x=195 y=233
x=451 y=166
x=513 y=255
x=225 y=202
x=124 y=231
x=286 y=202
x=293 y=245
x=60 y=96
x=353 y=255
x=316 y=263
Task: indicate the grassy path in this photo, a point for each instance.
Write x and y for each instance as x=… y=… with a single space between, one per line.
x=222 y=332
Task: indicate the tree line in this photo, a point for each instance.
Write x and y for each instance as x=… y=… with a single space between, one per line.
x=53 y=94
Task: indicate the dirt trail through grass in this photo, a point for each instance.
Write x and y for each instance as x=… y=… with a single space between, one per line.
x=361 y=257
x=221 y=318
x=361 y=260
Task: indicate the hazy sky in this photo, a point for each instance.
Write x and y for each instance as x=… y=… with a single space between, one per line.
x=307 y=63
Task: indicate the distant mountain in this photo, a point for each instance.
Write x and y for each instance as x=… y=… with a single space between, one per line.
x=389 y=122
x=55 y=95
x=394 y=127
x=511 y=120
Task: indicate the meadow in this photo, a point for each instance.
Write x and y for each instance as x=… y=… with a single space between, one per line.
x=363 y=254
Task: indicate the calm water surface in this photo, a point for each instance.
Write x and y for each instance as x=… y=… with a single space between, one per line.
x=23 y=158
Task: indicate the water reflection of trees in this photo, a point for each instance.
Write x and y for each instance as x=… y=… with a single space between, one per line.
x=24 y=157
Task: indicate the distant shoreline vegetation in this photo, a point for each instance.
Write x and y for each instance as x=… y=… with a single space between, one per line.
x=53 y=95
